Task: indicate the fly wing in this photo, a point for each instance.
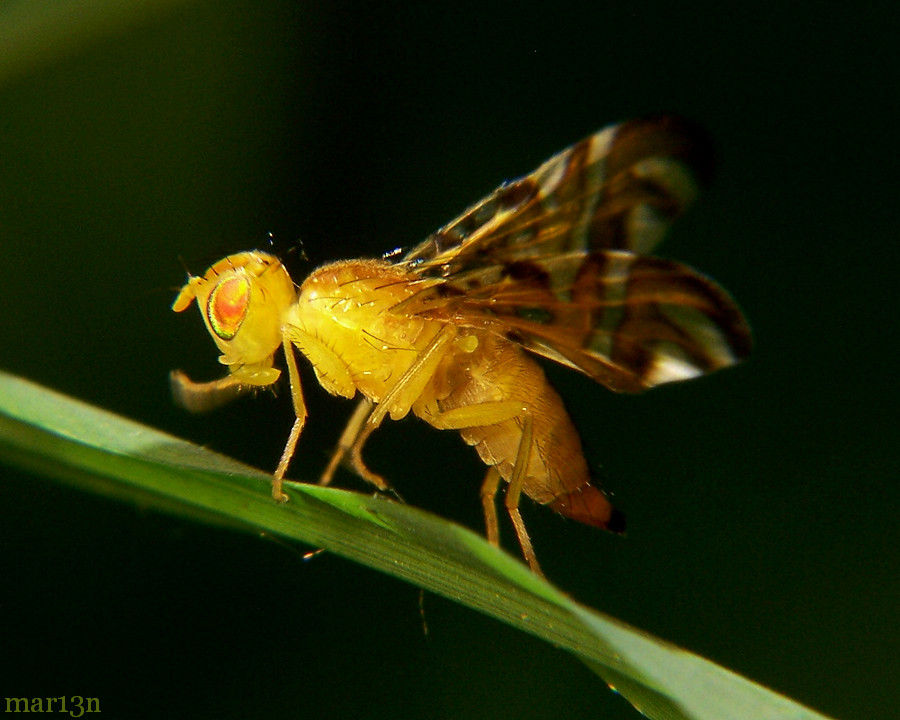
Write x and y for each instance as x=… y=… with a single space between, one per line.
x=620 y=189
x=556 y=261
x=629 y=321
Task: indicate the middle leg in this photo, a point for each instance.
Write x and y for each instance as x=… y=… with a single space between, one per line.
x=398 y=401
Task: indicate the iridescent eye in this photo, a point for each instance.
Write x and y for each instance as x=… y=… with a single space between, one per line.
x=227 y=306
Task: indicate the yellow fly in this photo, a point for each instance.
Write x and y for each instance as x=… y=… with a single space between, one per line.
x=554 y=263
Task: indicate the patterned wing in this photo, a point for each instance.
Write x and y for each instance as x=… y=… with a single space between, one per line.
x=626 y=320
x=620 y=188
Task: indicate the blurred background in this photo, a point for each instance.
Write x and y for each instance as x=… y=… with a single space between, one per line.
x=139 y=140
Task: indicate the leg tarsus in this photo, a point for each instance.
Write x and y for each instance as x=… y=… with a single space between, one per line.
x=347 y=440
x=203 y=397
x=364 y=423
x=296 y=429
x=356 y=461
x=286 y=456
x=352 y=440
x=525 y=541
x=514 y=494
x=489 y=501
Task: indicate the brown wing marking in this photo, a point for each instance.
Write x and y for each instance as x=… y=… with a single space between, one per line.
x=620 y=188
x=628 y=321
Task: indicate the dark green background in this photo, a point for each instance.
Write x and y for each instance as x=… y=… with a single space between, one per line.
x=762 y=502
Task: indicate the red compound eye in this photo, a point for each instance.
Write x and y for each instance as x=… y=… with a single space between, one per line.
x=227 y=306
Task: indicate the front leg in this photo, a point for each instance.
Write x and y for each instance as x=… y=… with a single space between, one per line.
x=299 y=422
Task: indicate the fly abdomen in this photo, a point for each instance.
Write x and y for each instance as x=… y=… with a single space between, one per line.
x=557 y=474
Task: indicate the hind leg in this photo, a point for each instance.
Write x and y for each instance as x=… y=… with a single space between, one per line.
x=514 y=494
x=489 y=502
x=493 y=413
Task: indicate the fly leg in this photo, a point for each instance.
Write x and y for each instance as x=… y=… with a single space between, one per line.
x=203 y=397
x=494 y=413
x=514 y=494
x=299 y=422
x=348 y=438
x=489 y=489
x=397 y=401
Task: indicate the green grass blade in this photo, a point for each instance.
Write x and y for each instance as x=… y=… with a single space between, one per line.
x=101 y=452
